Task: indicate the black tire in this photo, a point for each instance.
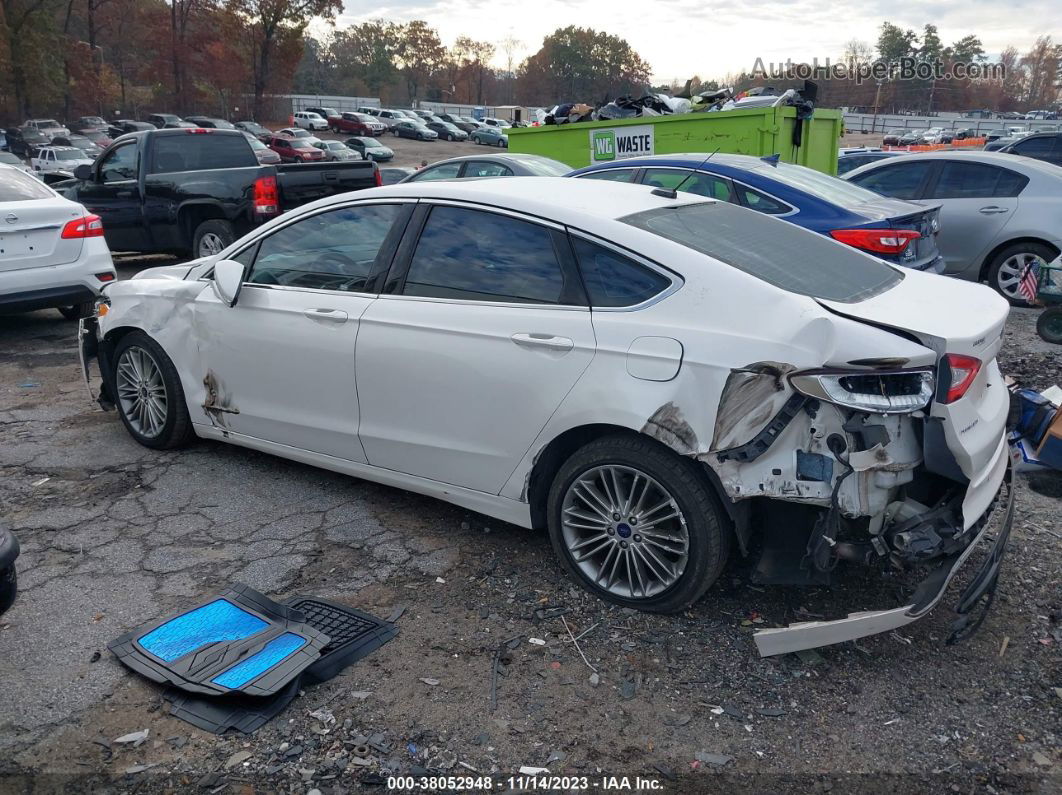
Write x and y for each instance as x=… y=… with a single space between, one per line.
x=992 y=273
x=215 y=231
x=8 y=587
x=706 y=522
x=177 y=430
x=1049 y=325
x=77 y=311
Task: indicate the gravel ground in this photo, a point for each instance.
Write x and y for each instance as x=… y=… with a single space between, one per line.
x=114 y=535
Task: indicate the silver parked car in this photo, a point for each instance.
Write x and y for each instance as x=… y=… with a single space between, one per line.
x=998 y=212
x=476 y=166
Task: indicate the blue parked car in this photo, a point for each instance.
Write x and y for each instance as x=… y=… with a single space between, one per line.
x=894 y=230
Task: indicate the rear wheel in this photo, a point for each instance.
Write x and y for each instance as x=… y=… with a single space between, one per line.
x=148 y=393
x=637 y=525
x=212 y=237
x=1009 y=265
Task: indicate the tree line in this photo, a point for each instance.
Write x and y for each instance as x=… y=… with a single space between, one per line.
x=228 y=57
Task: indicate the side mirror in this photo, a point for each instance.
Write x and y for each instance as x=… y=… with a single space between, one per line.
x=228 y=278
x=83 y=173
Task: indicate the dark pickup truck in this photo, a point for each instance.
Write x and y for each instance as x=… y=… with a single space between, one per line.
x=195 y=191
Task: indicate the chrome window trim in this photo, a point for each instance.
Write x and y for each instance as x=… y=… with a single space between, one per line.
x=468 y=302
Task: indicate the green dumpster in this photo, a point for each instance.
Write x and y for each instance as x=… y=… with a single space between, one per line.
x=751 y=131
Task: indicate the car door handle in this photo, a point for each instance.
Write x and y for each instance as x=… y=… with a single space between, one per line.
x=330 y=315
x=528 y=340
x=992 y=210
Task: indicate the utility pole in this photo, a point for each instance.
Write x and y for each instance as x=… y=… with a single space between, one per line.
x=877 y=99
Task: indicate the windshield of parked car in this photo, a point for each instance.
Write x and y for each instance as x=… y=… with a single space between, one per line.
x=69 y=154
x=299 y=134
x=778 y=252
x=825 y=187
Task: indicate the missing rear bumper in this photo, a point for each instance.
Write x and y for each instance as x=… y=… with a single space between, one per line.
x=812 y=634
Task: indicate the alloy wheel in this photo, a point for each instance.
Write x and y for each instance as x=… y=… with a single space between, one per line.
x=141 y=391
x=624 y=531
x=210 y=244
x=1008 y=277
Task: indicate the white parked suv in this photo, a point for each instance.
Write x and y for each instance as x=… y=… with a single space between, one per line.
x=59 y=158
x=52 y=251
x=310 y=121
x=49 y=128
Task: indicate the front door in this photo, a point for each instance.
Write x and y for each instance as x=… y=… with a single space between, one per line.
x=279 y=364
x=487 y=331
x=115 y=197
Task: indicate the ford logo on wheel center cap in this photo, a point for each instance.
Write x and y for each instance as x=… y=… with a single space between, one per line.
x=623 y=530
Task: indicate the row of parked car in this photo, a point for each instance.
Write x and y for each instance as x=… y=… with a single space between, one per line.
x=421 y=125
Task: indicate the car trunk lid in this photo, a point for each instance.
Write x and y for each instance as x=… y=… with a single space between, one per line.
x=965 y=320
x=31 y=234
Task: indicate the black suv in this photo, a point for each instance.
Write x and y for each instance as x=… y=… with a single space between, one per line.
x=22 y=140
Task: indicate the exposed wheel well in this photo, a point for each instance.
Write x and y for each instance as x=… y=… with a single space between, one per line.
x=558 y=451
x=995 y=252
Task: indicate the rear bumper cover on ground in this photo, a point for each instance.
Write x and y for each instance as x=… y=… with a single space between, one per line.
x=998 y=519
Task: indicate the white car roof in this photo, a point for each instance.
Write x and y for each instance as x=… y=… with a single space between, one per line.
x=557 y=198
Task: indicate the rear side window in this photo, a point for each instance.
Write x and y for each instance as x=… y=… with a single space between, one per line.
x=480 y=168
x=760 y=202
x=777 y=252
x=478 y=256
x=18 y=186
x=445 y=171
x=976 y=181
x=900 y=181
x=614 y=280
x=199 y=152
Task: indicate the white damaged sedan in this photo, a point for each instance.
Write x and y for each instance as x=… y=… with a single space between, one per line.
x=654 y=377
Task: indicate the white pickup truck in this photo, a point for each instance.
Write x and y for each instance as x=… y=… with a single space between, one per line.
x=58 y=158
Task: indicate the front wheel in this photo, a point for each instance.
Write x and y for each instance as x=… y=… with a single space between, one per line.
x=1049 y=325
x=637 y=525
x=148 y=393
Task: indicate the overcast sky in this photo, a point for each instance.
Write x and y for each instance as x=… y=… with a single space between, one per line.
x=680 y=38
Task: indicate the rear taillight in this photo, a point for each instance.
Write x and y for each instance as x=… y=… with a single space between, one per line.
x=879 y=241
x=377 y=175
x=266 y=196
x=963 y=371
x=89 y=226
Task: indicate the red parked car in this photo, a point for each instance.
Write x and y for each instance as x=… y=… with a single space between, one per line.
x=294 y=150
x=358 y=124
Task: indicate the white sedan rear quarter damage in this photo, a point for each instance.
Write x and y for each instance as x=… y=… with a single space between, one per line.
x=749 y=360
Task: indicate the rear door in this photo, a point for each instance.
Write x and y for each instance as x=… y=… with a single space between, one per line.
x=977 y=202
x=481 y=332
x=32 y=218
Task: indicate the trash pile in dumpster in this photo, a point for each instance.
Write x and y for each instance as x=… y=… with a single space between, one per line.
x=685 y=101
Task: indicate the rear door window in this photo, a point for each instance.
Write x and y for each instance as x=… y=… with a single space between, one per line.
x=445 y=171
x=899 y=180
x=482 y=168
x=959 y=180
x=779 y=253
x=688 y=181
x=479 y=256
x=760 y=202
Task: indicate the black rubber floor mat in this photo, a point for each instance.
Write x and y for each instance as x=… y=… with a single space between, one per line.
x=353 y=635
x=237 y=642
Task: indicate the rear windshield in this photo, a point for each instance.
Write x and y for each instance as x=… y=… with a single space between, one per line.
x=201 y=151
x=778 y=252
x=18 y=186
x=828 y=188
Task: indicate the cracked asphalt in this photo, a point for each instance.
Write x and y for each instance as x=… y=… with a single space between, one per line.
x=114 y=535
